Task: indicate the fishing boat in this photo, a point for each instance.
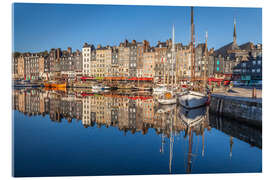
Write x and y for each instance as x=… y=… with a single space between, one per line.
x=54 y=84
x=192 y=99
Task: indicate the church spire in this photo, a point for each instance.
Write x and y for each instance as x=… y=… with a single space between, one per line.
x=234 y=31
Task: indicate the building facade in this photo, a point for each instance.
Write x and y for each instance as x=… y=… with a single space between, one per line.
x=87 y=58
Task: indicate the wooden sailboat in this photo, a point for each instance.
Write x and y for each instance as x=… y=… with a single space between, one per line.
x=192 y=99
x=168 y=95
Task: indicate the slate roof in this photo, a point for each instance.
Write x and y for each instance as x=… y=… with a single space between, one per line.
x=223 y=50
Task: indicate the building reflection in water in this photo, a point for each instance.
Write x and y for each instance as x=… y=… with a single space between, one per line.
x=134 y=113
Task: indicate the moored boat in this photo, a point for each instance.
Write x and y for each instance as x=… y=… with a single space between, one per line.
x=159 y=89
x=55 y=84
x=99 y=87
x=106 y=88
x=168 y=97
x=192 y=99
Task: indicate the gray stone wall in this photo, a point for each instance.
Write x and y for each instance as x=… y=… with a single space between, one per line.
x=238 y=108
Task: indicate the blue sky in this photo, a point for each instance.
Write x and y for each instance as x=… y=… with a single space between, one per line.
x=39 y=27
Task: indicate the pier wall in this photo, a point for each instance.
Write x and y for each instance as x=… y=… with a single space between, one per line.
x=242 y=109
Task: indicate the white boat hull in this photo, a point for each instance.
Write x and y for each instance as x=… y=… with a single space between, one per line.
x=167 y=101
x=192 y=99
x=100 y=88
x=106 y=88
x=159 y=89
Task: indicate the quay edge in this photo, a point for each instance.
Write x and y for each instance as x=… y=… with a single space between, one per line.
x=242 y=109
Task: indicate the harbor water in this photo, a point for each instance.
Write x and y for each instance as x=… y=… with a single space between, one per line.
x=76 y=132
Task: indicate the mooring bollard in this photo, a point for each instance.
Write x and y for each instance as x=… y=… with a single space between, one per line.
x=254 y=93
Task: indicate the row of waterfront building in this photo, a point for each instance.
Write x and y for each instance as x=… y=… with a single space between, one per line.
x=139 y=59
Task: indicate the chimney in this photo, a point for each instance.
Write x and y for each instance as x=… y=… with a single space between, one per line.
x=58 y=53
x=126 y=42
x=69 y=50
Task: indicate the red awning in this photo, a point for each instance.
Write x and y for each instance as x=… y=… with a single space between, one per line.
x=146 y=79
x=215 y=79
x=84 y=78
x=140 y=97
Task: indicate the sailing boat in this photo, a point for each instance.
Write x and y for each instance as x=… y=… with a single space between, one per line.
x=167 y=95
x=192 y=99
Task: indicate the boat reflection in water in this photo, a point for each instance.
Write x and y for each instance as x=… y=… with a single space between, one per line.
x=192 y=120
x=141 y=119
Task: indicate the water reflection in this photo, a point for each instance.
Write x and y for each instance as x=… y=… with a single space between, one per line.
x=134 y=112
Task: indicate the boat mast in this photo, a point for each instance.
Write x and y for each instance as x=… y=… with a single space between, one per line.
x=192 y=47
x=173 y=54
x=206 y=58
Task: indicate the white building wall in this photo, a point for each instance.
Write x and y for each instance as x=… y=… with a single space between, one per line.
x=86 y=54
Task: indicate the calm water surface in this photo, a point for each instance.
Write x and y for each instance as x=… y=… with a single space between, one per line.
x=79 y=133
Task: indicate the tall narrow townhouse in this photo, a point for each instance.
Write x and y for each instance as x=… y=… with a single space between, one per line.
x=87 y=57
